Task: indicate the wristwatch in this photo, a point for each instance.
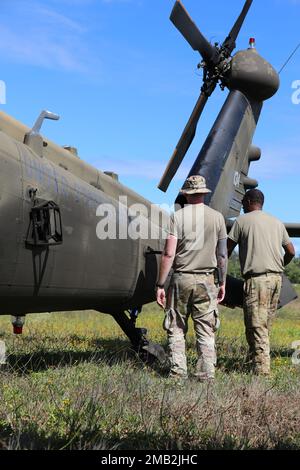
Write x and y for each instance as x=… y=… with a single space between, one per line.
x=160 y=286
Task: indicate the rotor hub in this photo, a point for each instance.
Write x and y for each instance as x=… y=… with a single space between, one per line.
x=253 y=75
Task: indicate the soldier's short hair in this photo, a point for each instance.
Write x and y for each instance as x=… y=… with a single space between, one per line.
x=255 y=196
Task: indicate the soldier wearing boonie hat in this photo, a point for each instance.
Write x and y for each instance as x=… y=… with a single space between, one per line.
x=195 y=185
x=195 y=248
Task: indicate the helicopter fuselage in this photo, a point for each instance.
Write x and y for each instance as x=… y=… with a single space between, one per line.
x=83 y=271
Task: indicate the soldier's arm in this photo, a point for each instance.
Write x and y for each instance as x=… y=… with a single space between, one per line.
x=222 y=260
x=289 y=253
x=222 y=267
x=233 y=237
x=167 y=259
x=166 y=263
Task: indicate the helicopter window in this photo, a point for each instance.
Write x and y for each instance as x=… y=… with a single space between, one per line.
x=45 y=228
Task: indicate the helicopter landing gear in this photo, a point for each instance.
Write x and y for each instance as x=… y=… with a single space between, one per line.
x=147 y=350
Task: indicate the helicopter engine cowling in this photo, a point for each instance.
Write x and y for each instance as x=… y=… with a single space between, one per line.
x=252 y=75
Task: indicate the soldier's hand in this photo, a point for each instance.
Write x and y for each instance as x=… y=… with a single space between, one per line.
x=161 y=297
x=221 y=294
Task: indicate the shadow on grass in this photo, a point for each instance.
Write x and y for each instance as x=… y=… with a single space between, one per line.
x=109 y=352
x=239 y=362
x=233 y=357
x=236 y=363
x=117 y=351
x=34 y=439
x=282 y=352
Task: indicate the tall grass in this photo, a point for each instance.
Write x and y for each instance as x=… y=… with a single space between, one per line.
x=73 y=382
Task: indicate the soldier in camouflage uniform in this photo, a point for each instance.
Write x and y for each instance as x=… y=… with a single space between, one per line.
x=195 y=248
x=262 y=239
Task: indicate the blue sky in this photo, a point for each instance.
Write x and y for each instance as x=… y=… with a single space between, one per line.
x=125 y=82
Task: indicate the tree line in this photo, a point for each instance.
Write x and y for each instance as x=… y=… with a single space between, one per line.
x=292 y=270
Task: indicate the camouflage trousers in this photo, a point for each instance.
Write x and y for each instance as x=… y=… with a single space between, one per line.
x=261 y=296
x=192 y=295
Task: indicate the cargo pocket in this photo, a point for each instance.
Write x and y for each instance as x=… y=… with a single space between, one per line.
x=173 y=321
x=217 y=322
x=169 y=319
x=248 y=288
x=213 y=298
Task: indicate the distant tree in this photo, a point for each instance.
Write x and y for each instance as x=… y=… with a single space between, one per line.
x=234 y=268
x=292 y=270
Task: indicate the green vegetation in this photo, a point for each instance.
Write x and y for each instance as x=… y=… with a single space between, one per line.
x=292 y=270
x=234 y=266
x=72 y=382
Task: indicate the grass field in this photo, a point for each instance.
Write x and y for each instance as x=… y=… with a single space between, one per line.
x=72 y=382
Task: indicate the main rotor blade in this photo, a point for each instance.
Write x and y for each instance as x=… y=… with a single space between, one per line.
x=230 y=41
x=184 y=23
x=183 y=144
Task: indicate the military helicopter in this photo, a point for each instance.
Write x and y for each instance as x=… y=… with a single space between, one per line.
x=54 y=258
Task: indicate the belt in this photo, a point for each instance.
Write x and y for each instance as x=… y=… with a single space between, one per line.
x=248 y=276
x=204 y=273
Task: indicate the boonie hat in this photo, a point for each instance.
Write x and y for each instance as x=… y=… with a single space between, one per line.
x=195 y=185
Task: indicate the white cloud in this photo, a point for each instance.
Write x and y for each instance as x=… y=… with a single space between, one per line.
x=148 y=169
x=276 y=162
x=36 y=35
x=43 y=52
x=58 y=19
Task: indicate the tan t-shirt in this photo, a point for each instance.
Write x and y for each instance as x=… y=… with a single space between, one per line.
x=198 y=229
x=260 y=237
